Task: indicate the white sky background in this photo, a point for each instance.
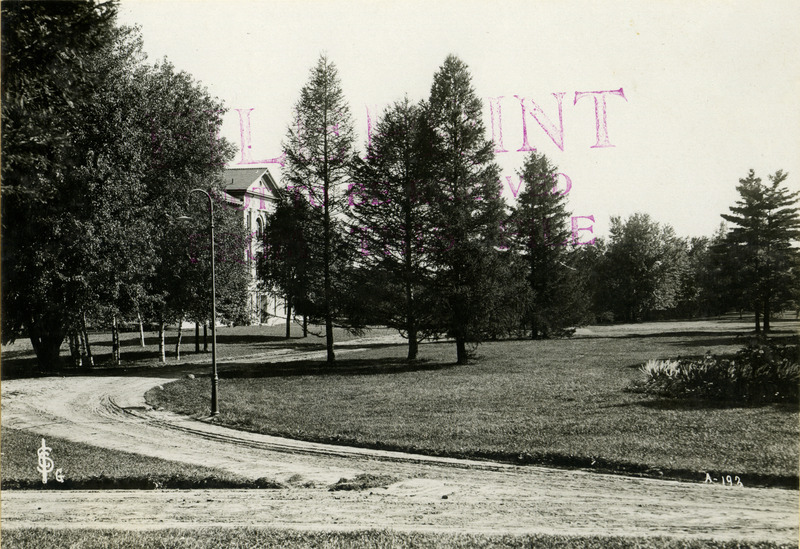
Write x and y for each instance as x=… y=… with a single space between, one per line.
x=712 y=87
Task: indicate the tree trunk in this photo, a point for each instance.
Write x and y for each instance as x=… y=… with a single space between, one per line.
x=162 y=352
x=75 y=349
x=86 y=343
x=114 y=340
x=413 y=344
x=411 y=325
x=196 y=336
x=766 y=315
x=178 y=343
x=81 y=343
x=288 y=317
x=205 y=336
x=46 y=343
x=305 y=326
x=758 y=321
x=141 y=330
x=329 y=338
x=461 y=350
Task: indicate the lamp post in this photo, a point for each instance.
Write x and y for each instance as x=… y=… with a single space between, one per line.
x=214 y=375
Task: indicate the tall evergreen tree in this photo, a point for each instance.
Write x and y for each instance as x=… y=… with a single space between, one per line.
x=543 y=237
x=392 y=222
x=766 y=222
x=319 y=151
x=467 y=209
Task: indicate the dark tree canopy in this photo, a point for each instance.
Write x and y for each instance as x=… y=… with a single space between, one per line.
x=98 y=149
x=392 y=223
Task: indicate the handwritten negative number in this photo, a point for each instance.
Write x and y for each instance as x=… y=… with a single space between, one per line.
x=726 y=480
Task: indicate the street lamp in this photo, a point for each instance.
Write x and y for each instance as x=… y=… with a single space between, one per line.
x=214 y=376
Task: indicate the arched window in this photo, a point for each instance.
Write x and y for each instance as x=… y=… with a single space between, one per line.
x=259 y=228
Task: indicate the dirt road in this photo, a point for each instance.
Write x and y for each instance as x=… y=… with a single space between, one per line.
x=433 y=494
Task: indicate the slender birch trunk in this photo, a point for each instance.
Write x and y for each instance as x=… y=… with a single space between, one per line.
x=87 y=344
x=141 y=330
x=162 y=352
x=178 y=343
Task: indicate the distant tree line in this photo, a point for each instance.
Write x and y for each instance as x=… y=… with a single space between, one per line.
x=416 y=236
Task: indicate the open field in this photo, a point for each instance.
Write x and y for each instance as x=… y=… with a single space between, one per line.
x=561 y=402
x=213 y=538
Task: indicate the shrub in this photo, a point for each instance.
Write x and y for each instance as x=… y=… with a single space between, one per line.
x=758 y=373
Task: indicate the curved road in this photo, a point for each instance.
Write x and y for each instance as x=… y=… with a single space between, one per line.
x=432 y=494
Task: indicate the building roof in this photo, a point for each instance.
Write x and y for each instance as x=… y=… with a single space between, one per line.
x=239 y=180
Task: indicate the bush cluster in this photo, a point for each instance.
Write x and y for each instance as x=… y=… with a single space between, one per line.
x=757 y=374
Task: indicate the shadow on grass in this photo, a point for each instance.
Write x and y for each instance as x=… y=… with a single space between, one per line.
x=342 y=367
x=678 y=404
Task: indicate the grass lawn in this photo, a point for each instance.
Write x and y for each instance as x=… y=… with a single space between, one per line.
x=560 y=402
x=240 y=538
x=88 y=467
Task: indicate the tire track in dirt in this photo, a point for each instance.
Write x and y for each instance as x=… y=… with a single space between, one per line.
x=436 y=494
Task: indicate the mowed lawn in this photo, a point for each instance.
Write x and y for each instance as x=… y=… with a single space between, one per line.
x=560 y=402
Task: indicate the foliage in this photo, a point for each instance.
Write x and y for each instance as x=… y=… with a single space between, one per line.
x=285 y=264
x=45 y=87
x=467 y=209
x=543 y=239
x=84 y=229
x=640 y=270
x=392 y=224
x=766 y=220
x=319 y=151
x=759 y=373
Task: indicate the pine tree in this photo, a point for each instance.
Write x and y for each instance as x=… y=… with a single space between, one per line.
x=766 y=222
x=392 y=222
x=319 y=151
x=542 y=237
x=466 y=207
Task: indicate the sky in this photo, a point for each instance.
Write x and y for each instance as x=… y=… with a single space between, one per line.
x=711 y=88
